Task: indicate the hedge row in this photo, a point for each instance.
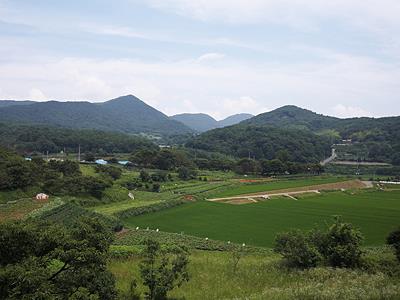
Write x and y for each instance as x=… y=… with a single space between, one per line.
x=69 y=213
x=136 y=211
x=138 y=237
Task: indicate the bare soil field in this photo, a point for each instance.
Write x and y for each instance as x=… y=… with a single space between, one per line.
x=291 y=192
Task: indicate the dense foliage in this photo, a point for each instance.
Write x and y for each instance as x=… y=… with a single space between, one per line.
x=298 y=249
x=42 y=261
x=55 y=177
x=262 y=142
x=40 y=139
x=338 y=246
x=394 y=240
x=163 y=269
x=126 y=114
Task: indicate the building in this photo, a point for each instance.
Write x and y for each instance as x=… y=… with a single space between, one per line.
x=42 y=196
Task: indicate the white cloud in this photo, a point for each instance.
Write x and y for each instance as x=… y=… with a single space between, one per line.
x=37 y=95
x=210 y=57
x=291 y=12
x=219 y=89
x=344 y=111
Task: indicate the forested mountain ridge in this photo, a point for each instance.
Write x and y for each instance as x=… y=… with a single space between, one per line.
x=202 y=122
x=124 y=114
x=27 y=139
x=263 y=142
x=373 y=139
x=199 y=122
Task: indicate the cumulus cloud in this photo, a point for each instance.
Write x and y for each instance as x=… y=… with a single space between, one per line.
x=344 y=111
x=37 y=95
x=219 y=89
x=210 y=57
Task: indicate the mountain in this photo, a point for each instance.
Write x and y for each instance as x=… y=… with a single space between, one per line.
x=126 y=114
x=4 y=103
x=294 y=117
x=203 y=122
x=234 y=119
x=198 y=122
x=306 y=136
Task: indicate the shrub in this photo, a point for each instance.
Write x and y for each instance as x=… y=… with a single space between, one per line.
x=341 y=245
x=163 y=269
x=297 y=248
x=394 y=240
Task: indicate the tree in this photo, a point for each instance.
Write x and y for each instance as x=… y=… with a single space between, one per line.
x=185 y=173
x=297 y=248
x=163 y=269
x=89 y=156
x=45 y=261
x=394 y=240
x=246 y=166
x=341 y=244
x=144 y=176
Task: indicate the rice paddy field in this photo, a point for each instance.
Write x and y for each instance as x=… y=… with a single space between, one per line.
x=375 y=212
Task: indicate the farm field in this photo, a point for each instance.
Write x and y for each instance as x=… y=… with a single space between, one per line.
x=247 y=188
x=375 y=212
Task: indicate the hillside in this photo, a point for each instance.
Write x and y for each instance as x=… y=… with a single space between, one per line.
x=4 y=103
x=373 y=139
x=234 y=119
x=203 y=122
x=198 y=122
x=28 y=139
x=124 y=114
x=263 y=142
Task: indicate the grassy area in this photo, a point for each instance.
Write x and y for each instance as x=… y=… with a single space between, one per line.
x=112 y=208
x=246 y=188
x=375 y=212
x=18 y=209
x=261 y=276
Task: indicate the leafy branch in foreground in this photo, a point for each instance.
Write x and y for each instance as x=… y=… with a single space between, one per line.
x=163 y=269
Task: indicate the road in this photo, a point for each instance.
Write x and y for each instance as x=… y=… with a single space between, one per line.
x=330 y=158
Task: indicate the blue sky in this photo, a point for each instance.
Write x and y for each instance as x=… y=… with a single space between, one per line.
x=220 y=57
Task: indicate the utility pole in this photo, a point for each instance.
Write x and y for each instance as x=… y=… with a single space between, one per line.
x=79 y=152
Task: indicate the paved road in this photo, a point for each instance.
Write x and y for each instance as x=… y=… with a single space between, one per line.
x=330 y=158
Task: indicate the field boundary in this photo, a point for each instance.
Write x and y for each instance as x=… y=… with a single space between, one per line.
x=291 y=192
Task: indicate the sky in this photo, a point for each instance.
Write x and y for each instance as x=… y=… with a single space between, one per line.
x=220 y=57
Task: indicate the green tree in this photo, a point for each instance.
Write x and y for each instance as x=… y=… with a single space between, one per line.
x=163 y=269
x=297 y=249
x=144 y=176
x=185 y=173
x=340 y=245
x=45 y=261
x=247 y=166
x=394 y=240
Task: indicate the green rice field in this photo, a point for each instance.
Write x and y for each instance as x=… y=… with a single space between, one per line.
x=376 y=213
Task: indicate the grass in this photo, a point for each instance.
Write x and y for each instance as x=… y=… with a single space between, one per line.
x=18 y=209
x=112 y=208
x=246 y=188
x=375 y=212
x=261 y=276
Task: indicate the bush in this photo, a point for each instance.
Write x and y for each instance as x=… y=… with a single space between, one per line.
x=341 y=245
x=297 y=248
x=394 y=240
x=163 y=269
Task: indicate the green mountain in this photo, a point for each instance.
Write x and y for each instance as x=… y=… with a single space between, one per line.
x=306 y=136
x=234 y=119
x=4 y=103
x=203 y=122
x=126 y=114
x=198 y=122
